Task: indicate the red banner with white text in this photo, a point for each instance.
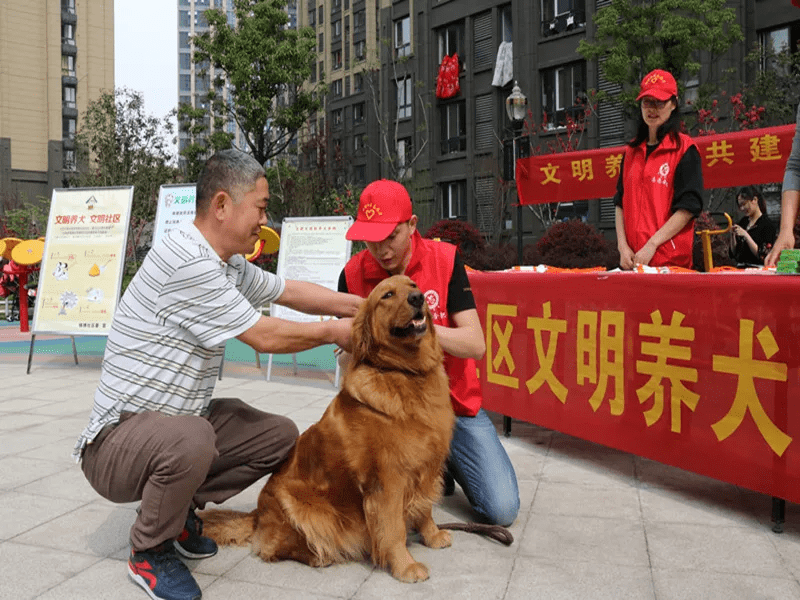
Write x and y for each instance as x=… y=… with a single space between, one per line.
x=697 y=371
x=729 y=160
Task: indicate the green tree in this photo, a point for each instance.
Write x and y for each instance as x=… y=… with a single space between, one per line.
x=204 y=140
x=260 y=66
x=118 y=144
x=633 y=37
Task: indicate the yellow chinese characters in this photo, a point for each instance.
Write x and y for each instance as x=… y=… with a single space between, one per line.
x=546 y=358
x=717 y=151
x=613 y=162
x=582 y=169
x=611 y=353
x=664 y=351
x=495 y=360
x=747 y=370
x=764 y=148
x=550 y=172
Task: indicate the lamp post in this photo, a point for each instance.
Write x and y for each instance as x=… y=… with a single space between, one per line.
x=516 y=108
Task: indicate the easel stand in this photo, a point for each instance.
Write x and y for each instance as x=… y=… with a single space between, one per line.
x=30 y=352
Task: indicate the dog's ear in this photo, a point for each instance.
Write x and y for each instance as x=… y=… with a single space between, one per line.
x=362 y=333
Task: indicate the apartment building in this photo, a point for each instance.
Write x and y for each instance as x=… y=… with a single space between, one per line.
x=56 y=56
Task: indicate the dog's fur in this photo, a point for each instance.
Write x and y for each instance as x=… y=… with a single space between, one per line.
x=371 y=468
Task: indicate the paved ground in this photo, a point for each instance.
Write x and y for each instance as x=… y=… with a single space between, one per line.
x=595 y=522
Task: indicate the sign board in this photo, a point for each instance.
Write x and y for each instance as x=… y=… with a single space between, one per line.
x=176 y=205
x=83 y=260
x=312 y=249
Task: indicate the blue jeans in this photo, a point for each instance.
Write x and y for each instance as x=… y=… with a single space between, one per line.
x=480 y=465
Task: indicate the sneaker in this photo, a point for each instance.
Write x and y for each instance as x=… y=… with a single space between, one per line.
x=191 y=542
x=162 y=574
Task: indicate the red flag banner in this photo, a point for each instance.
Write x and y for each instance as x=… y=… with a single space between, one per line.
x=749 y=157
x=684 y=369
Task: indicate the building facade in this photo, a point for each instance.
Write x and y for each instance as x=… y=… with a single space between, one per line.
x=56 y=56
x=383 y=116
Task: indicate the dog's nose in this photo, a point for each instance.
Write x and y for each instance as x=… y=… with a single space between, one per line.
x=415 y=298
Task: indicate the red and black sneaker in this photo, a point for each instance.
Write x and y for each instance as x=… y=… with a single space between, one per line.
x=191 y=542
x=162 y=574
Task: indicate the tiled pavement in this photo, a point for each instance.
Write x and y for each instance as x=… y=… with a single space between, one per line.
x=595 y=522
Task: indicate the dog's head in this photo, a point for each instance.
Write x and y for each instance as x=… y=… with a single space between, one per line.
x=393 y=329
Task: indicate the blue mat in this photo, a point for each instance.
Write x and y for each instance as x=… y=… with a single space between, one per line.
x=317 y=358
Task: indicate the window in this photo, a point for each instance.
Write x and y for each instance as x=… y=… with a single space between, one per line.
x=559 y=16
x=451 y=40
x=404 y=98
x=360 y=50
x=506 y=29
x=336 y=30
x=454 y=130
x=562 y=88
x=358 y=112
x=360 y=173
x=68 y=66
x=359 y=21
x=336 y=118
x=69 y=96
x=185 y=100
x=358 y=82
x=402 y=37
x=454 y=200
x=336 y=59
x=485 y=140
x=313 y=76
x=68 y=6
x=312 y=17
x=67 y=33
x=321 y=71
x=69 y=160
x=359 y=142
x=186 y=61
x=321 y=15
x=484 y=50
x=68 y=128
x=336 y=6
x=404 y=154
x=183 y=39
x=336 y=88
x=321 y=43
x=775 y=43
x=183 y=18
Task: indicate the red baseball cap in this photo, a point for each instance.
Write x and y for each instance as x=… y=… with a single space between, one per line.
x=383 y=204
x=658 y=84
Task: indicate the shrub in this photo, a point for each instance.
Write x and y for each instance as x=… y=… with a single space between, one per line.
x=465 y=236
x=574 y=244
x=493 y=258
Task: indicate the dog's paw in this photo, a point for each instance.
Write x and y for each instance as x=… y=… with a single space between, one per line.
x=441 y=539
x=412 y=573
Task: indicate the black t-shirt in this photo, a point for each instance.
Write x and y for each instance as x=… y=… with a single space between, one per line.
x=763 y=233
x=459 y=293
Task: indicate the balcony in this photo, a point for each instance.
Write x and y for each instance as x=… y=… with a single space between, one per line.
x=569 y=21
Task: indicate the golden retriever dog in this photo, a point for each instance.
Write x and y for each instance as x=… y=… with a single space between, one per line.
x=370 y=469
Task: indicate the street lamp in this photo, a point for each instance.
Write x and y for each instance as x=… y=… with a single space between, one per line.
x=516 y=108
x=516 y=105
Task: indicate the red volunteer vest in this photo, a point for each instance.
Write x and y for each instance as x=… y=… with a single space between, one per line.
x=431 y=267
x=647 y=201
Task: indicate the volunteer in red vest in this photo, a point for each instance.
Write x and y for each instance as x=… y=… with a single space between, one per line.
x=478 y=461
x=660 y=187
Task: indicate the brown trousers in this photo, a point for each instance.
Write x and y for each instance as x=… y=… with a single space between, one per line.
x=174 y=463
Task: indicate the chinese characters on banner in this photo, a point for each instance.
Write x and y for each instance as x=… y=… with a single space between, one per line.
x=645 y=364
x=729 y=160
x=83 y=260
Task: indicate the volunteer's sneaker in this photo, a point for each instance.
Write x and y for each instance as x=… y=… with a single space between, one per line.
x=191 y=542
x=162 y=574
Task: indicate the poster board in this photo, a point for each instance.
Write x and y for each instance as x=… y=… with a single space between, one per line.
x=312 y=249
x=83 y=260
x=176 y=205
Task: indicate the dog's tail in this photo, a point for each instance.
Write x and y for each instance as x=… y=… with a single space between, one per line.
x=228 y=527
